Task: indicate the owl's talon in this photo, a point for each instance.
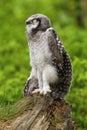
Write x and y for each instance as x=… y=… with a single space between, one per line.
x=36 y=91
x=41 y=91
x=46 y=91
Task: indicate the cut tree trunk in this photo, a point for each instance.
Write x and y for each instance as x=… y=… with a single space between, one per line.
x=43 y=113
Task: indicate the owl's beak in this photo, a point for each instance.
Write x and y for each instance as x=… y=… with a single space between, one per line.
x=27 y=22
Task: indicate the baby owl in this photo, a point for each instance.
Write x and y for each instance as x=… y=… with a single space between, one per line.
x=51 y=66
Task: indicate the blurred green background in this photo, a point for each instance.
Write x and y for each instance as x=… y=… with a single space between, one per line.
x=69 y=18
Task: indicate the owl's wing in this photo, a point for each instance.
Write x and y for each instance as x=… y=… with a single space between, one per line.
x=62 y=63
x=56 y=48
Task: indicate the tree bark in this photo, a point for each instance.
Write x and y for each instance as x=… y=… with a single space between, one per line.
x=43 y=113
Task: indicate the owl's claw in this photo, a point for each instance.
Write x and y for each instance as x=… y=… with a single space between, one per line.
x=45 y=91
x=36 y=91
x=41 y=91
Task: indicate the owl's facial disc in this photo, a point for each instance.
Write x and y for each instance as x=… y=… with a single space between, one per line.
x=32 y=23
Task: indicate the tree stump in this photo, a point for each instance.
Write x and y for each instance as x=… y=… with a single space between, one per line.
x=43 y=113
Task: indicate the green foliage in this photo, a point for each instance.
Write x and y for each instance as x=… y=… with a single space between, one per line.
x=14 y=59
x=78 y=93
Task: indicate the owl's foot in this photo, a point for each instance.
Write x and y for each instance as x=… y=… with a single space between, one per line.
x=46 y=89
x=37 y=91
x=43 y=91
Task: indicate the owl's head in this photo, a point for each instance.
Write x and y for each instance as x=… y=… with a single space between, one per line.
x=37 y=22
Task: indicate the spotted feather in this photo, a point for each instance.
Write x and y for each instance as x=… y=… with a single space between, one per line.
x=62 y=62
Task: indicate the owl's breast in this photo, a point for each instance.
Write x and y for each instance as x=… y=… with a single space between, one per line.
x=40 y=54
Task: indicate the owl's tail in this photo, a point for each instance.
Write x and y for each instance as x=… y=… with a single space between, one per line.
x=67 y=69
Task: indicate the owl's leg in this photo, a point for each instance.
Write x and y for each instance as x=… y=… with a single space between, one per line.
x=40 y=83
x=49 y=76
x=33 y=73
x=32 y=83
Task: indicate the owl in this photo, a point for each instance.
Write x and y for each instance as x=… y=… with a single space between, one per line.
x=51 y=65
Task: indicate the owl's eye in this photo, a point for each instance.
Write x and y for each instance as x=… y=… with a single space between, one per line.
x=35 y=21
